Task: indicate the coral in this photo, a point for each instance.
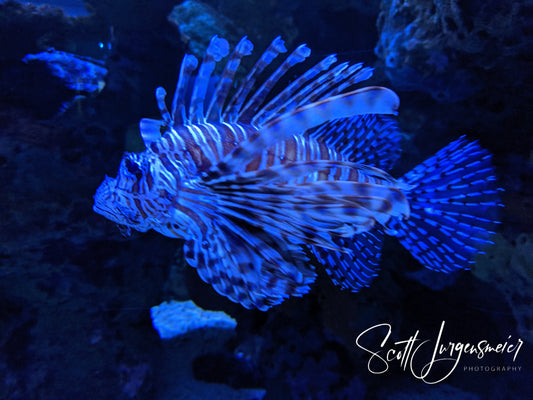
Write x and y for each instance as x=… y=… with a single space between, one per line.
x=508 y=266
x=448 y=48
x=176 y=318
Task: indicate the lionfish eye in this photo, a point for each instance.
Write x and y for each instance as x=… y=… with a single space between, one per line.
x=133 y=168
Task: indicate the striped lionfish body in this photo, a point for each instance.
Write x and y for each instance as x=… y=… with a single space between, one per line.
x=256 y=186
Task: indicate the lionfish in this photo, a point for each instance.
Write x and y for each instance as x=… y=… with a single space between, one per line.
x=259 y=185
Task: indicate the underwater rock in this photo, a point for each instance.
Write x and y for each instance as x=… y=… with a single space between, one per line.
x=198 y=22
x=434 y=392
x=366 y=7
x=300 y=359
x=79 y=73
x=433 y=280
x=176 y=318
x=508 y=267
x=200 y=333
x=448 y=48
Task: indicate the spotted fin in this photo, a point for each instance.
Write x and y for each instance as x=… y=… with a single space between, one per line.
x=357 y=264
x=179 y=111
x=454 y=207
x=280 y=102
x=249 y=109
x=372 y=140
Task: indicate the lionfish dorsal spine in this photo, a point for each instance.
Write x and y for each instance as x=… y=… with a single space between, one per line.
x=276 y=47
x=368 y=100
x=160 y=94
x=249 y=109
x=352 y=76
x=243 y=48
x=179 y=111
x=217 y=49
x=303 y=96
x=272 y=107
x=323 y=84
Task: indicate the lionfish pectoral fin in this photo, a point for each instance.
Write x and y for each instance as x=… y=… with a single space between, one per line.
x=368 y=100
x=252 y=270
x=383 y=199
x=307 y=213
x=454 y=207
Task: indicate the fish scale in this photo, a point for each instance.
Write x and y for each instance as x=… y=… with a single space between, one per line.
x=254 y=186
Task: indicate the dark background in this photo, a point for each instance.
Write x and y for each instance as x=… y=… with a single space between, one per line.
x=75 y=294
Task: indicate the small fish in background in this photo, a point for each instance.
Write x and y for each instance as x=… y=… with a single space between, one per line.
x=257 y=183
x=84 y=75
x=73 y=8
x=79 y=73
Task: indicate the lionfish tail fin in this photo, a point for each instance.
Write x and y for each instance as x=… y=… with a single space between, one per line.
x=454 y=207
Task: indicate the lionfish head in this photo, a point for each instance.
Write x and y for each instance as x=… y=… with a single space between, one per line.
x=122 y=199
